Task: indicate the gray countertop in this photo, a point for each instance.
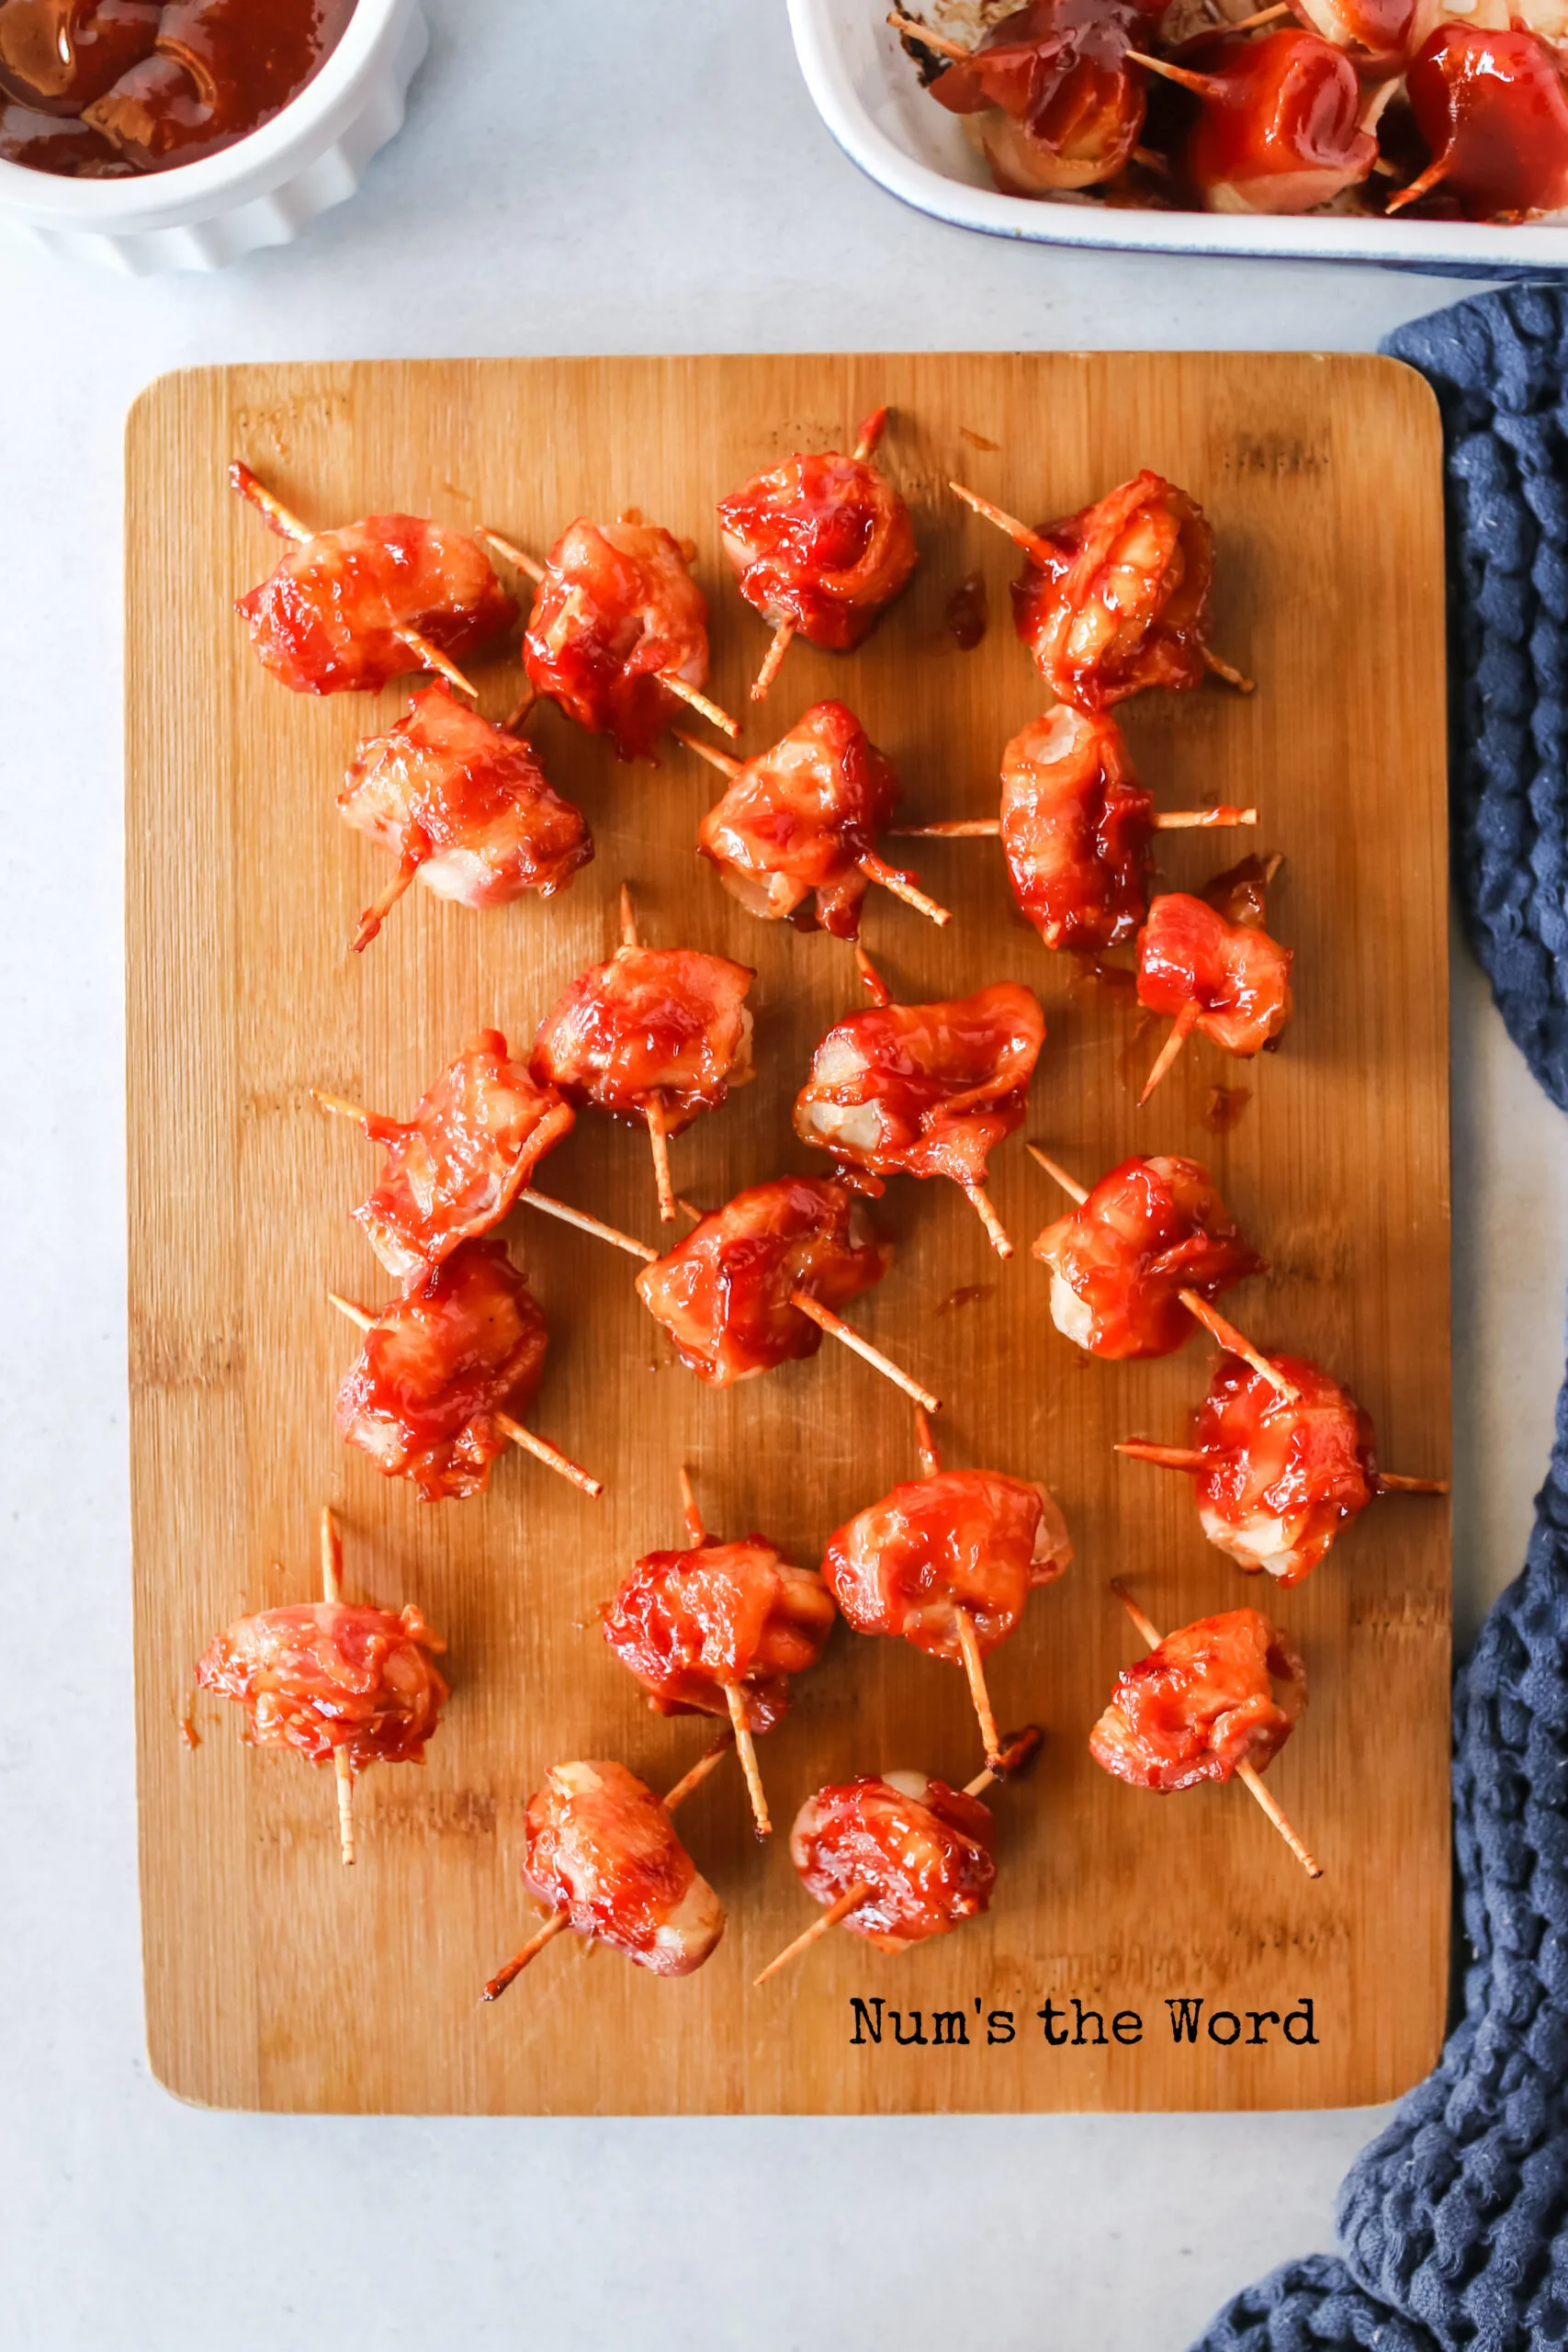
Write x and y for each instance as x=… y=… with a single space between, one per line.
x=628 y=176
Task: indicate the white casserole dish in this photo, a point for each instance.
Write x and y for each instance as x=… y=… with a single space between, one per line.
x=868 y=94
x=261 y=191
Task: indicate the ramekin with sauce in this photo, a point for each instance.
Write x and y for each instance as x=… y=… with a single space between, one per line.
x=180 y=136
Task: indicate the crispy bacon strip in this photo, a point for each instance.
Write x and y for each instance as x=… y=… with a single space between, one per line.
x=1202 y=1704
x=602 y=1850
x=921 y=1851
x=1119 y=1261
x=326 y=1679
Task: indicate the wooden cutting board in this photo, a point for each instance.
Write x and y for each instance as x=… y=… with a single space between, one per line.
x=278 y=1979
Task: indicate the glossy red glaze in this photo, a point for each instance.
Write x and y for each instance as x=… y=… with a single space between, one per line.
x=219 y=70
x=1280 y=130
x=466 y=799
x=798 y=819
x=1280 y=1480
x=327 y=1677
x=328 y=621
x=924 y=1850
x=1060 y=107
x=602 y=1848
x=1076 y=831
x=822 y=541
x=1201 y=1704
x=924 y=1090
x=454 y=1169
x=464 y=1343
x=56 y=56
x=1491 y=109
x=723 y=1294
x=43 y=142
x=1122 y=602
x=665 y=1020
x=1188 y=954
x=1148 y=1230
x=692 y=1625
x=962 y=1538
x=618 y=609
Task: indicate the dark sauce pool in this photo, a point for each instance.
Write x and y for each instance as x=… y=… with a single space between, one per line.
x=108 y=89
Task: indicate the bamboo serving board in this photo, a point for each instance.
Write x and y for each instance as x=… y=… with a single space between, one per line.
x=278 y=1979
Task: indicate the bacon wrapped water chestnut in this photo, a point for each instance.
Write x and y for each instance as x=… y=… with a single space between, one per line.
x=1057 y=103
x=1149 y=1230
x=454 y=1169
x=925 y=1089
x=1075 y=830
x=820 y=544
x=726 y=1295
x=1282 y=125
x=799 y=823
x=326 y=1679
x=1201 y=1704
x=693 y=1625
x=671 y=1022
x=922 y=1851
x=1210 y=964
x=350 y=610
x=1492 y=111
x=465 y=809
x=443 y=1369
x=602 y=1854
x=974 y=1543
x=616 y=617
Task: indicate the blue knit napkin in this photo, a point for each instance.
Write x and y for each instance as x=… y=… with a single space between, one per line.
x=1454 y=2223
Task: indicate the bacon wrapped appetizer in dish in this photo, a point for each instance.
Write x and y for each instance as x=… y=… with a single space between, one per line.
x=341 y=1685
x=1210 y=963
x=819 y=545
x=454 y=1169
x=1057 y=105
x=618 y=633
x=1201 y=1704
x=793 y=838
x=465 y=809
x=445 y=1375
x=731 y=1294
x=1491 y=108
x=655 y=1036
x=1281 y=123
x=1142 y=1245
x=1277 y=1479
x=925 y=1089
x=350 y=610
x=602 y=1854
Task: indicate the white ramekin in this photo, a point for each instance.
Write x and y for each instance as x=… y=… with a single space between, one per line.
x=261 y=191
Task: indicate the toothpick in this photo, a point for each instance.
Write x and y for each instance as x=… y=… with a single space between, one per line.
x=340 y=1107
x=1388 y=1482
x=586 y=1223
x=657 y=1137
x=772 y=659
x=870 y=435
x=708 y=752
x=628 y=918
x=925 y=1439
x=1033 y=543
x=1182 y=820
x=848 y=1901
x=996 y=1232
x=938 y=44
x=837 y=1328
x=973 y=1667
x=1203 y=86
x=527 y=564
x=975 y=829
x=695 y=1528
x=1166 y=1457
x=1052 y=1169
x=1236 y=1343
x=332 y=1590
x=1181 y=1028
x=734 y=1700
x=674 y=683
x=1219 y=668
x=1264 y=17
x=551 y=1456
x=354 y=1312
x=376 y=914
x=904 y=885
x=1248 y=1774
x=559 y=1920
x=875 y=985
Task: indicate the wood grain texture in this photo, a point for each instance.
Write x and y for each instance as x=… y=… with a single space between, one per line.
x=276 y=1979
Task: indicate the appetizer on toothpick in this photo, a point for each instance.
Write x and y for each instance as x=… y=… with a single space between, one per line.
x=465 y=809
x=718 y=1630
x=748 y=1289
x=603 y=1854
x=1075 y=830
x=618 y=634
x=819 y=545
x=336 y=1681
x=1053 y=100
x=1211 y=964
x=656 y=1035
x=446 y=1372
x=1278 y=1480
x=947 y=1562
x=454 y=1168
x=350 y=610
x=1489 y=106
x=1282 y=122
x=1142 y=1257
x=1116 y=599
x=901 y=1858
x=1203 y=1706
x=799 y=823
x=924 y=1090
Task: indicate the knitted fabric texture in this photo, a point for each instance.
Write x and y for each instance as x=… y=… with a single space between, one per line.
x=1454 y=2223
